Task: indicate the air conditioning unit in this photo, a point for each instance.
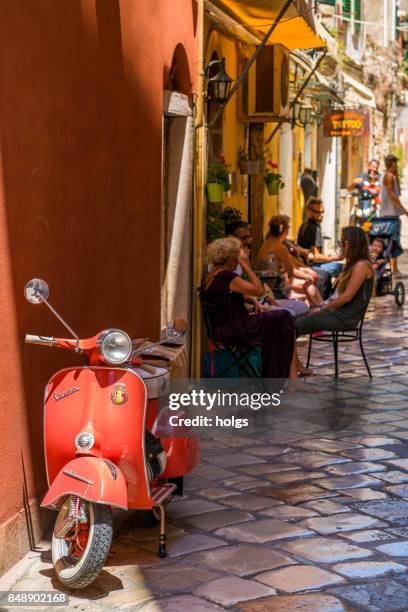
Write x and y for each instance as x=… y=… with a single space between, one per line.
x=268 y=84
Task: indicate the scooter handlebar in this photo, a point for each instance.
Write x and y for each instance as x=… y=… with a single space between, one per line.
x=45 y=340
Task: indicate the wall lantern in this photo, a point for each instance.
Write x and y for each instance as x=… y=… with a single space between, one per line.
x=221 y=82
x=305 y=114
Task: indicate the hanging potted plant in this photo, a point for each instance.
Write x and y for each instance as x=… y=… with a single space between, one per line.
x=273 y=180
x=249 y=166
x=217 y=182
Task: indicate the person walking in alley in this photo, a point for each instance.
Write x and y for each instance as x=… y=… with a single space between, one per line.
x=391 y=207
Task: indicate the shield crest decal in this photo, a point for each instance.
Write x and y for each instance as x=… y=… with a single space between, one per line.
x=119 y=394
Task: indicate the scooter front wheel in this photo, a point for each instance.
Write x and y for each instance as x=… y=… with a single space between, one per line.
x=81 y=541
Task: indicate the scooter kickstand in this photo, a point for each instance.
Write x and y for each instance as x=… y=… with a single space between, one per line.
x=162 y=538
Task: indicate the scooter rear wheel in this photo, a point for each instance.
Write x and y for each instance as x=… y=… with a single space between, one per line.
x=79 y=560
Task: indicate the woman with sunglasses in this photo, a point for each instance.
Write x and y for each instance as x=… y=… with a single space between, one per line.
x=354 y=290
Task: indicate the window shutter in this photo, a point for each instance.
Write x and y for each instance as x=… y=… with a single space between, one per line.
x=347 y=8
x=357 y=14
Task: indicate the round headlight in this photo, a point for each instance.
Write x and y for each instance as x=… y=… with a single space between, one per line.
x=115 y=346
x=84 y=441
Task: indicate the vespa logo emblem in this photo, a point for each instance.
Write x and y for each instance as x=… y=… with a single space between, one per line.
x=58 y=396
x=119 y=394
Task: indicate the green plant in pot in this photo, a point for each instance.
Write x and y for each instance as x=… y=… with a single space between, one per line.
x=273 y=180
x=217 y=182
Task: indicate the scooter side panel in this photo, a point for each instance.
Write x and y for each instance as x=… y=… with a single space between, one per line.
x=182 y=455
x=111 y=404
x=182 y=452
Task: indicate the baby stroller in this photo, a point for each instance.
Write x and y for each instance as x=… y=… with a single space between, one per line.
x=387 y=231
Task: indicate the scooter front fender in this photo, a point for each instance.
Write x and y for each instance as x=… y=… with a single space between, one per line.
x=91 y=478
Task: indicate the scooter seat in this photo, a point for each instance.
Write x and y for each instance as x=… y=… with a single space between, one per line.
x=155 y=379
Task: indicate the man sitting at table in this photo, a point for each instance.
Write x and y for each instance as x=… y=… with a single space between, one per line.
x=310 y=237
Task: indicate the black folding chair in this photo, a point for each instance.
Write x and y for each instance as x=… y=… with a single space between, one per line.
x=338 y=337
x=239 y=358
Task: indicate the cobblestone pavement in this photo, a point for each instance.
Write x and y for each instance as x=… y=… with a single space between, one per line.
x=308 y=513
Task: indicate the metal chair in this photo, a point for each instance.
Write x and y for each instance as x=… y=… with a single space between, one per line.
x=338 y=337
x=239 y=358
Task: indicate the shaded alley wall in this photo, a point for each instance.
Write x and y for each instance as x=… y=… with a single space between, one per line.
x=80 y=199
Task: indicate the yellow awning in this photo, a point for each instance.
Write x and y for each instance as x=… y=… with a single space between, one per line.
x=296 y=30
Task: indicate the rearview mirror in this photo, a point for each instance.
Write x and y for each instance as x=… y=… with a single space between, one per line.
x=172 y=333
x=36 y=291
x=176 y=331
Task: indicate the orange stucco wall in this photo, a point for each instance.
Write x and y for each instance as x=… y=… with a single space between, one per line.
x=80 y=188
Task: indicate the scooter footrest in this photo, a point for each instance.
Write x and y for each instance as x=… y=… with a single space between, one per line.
x=161 y=492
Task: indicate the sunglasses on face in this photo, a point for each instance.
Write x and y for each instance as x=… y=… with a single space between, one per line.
x=342 y=243
x=317 y=212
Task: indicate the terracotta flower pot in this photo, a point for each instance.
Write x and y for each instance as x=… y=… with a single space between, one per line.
x=215 y=192
x=251 y=166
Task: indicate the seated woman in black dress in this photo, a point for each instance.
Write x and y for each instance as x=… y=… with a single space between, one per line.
x=355 y=289
x=223 y=294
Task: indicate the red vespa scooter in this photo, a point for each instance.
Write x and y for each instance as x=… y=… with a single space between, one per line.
x=99 y=450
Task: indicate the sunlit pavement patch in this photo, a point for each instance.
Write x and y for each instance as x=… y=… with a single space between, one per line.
x=325 y=550
x=299 y=578
x=396 y=549
x=262 y=531
x=369 y=535
x=338 y=524
x=375 y=596
x=365 y=494
x=369 y=569
x=294 y=603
